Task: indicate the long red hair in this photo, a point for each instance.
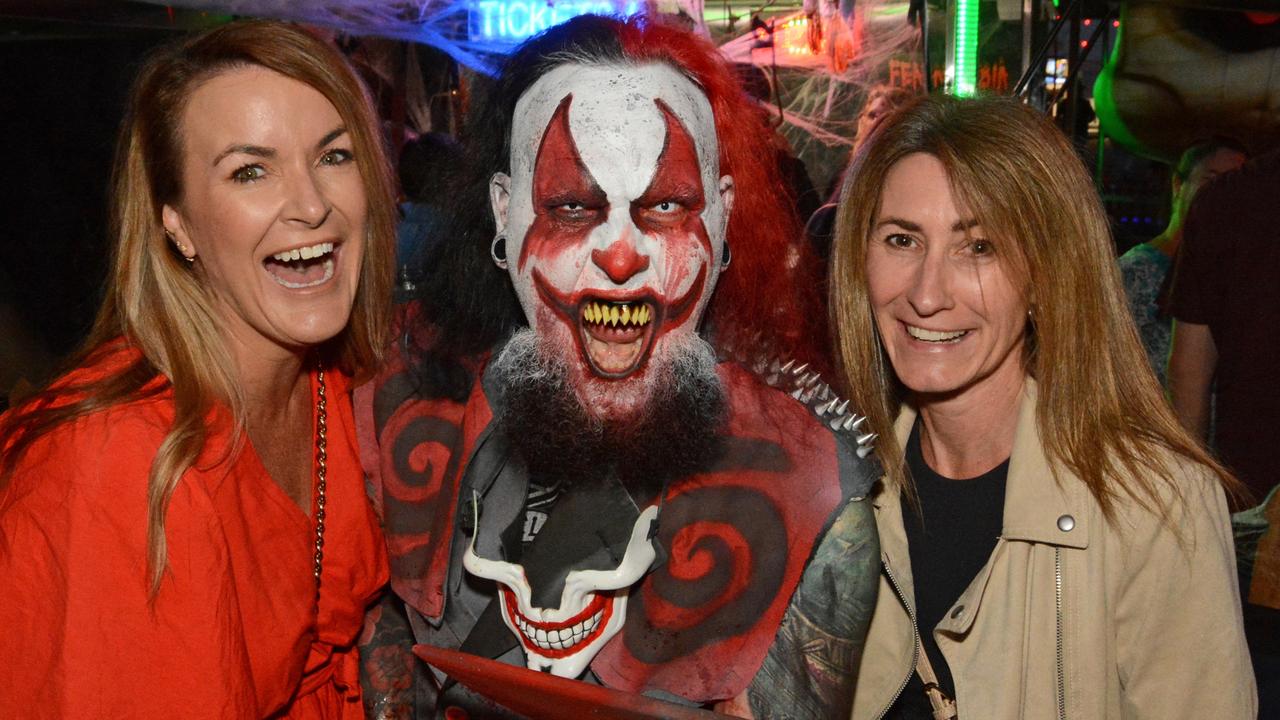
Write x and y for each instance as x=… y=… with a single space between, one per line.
x=769 y=300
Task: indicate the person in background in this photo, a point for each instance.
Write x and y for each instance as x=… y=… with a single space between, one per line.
x=1145 y=267
x=1051 y=537
x=1225 y=302
x=881 y=101
x=425 y=166
x=184 y=530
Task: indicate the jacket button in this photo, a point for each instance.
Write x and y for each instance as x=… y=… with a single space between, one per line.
x=956 y=613
x=1066 y=523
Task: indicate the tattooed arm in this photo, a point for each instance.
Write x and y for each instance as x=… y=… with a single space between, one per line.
x=387 y=661
x=809 y=672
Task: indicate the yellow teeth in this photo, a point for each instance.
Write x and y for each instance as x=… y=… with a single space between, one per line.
x=635 y=314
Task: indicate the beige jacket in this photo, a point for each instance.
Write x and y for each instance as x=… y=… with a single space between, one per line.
x=1072 y=616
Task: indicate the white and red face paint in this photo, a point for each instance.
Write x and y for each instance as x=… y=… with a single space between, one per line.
x=615 y=216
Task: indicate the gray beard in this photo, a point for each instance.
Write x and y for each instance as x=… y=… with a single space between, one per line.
x=672 y=434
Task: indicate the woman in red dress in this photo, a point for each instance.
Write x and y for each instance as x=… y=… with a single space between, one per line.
x=183 y=525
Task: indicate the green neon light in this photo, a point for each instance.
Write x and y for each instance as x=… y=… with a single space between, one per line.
x=1110 y=119
x=965 y=59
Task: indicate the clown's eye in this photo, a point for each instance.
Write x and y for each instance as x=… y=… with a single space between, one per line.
x=654 y=216
x=574 y=210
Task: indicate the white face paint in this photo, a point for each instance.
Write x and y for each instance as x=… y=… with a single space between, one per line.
x=615 y=218
x=593 y=604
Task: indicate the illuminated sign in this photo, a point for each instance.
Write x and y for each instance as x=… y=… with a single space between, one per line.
x=514 y=20
x=963 y=66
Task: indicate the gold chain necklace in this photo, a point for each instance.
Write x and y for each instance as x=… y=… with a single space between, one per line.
x=321 y=456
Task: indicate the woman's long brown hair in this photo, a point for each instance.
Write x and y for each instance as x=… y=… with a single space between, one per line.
x=157 y=303
x=1101 y=412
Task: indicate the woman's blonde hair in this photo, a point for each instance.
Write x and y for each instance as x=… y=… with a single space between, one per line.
x=1101 y=412
x=156 y=302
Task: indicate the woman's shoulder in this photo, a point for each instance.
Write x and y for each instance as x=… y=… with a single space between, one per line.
x=84 y=473
x=1174 y=476
x=103 y=443
x=1144 y=255
x=1174 y=496
x=113 y=438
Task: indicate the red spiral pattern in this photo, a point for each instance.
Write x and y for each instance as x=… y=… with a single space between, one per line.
x=727 y=554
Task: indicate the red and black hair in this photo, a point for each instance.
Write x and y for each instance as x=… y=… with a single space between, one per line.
x=766 y=302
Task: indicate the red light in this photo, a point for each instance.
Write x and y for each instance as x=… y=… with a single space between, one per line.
x=1115 y=23
x=1084 y=43
x=1088 y=22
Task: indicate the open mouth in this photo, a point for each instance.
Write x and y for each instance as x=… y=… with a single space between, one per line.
x=616 y=334
x=303 y=267
x=935 y=336
x=559 y=639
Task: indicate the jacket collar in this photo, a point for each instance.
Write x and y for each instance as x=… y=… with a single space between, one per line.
x=1040 y=506
x=1037 y=505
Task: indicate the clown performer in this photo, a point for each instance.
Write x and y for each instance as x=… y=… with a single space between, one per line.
x=602 y=450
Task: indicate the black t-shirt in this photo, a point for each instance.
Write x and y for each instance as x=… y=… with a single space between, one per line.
x=949 y=540
x=1228 y=277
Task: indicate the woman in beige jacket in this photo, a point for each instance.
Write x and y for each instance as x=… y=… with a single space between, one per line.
x=1054 y=545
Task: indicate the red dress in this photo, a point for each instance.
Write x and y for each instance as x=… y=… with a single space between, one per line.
x=234 y=631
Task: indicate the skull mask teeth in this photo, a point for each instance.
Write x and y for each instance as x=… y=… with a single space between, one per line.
x=593 y=605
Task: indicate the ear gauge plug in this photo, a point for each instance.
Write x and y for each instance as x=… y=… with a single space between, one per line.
x=498 y=251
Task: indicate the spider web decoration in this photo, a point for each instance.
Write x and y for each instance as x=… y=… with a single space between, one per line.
x=827 y=58
x=826 y=55
x=473 y=32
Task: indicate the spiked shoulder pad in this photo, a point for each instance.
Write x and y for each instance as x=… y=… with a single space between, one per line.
x=805 y=385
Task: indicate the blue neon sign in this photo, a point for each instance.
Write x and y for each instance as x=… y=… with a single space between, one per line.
x=510 y=21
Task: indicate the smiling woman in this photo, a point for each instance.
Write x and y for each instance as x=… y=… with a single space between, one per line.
x=1054 y=545
x=183 y=524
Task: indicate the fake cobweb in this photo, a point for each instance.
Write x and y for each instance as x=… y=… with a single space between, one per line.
x=820 y=57
x=822 y=61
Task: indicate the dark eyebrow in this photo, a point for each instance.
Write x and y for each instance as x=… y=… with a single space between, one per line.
x=257 y=150
x=267 y=152
x=904 y=224
x=334 y=134
x=959 y=226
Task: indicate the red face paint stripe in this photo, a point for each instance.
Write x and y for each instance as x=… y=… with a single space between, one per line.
x=678 y=180
x=683 y=307
x=561 y=179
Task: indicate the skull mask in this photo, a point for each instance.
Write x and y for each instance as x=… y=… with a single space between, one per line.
x=592 y=607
